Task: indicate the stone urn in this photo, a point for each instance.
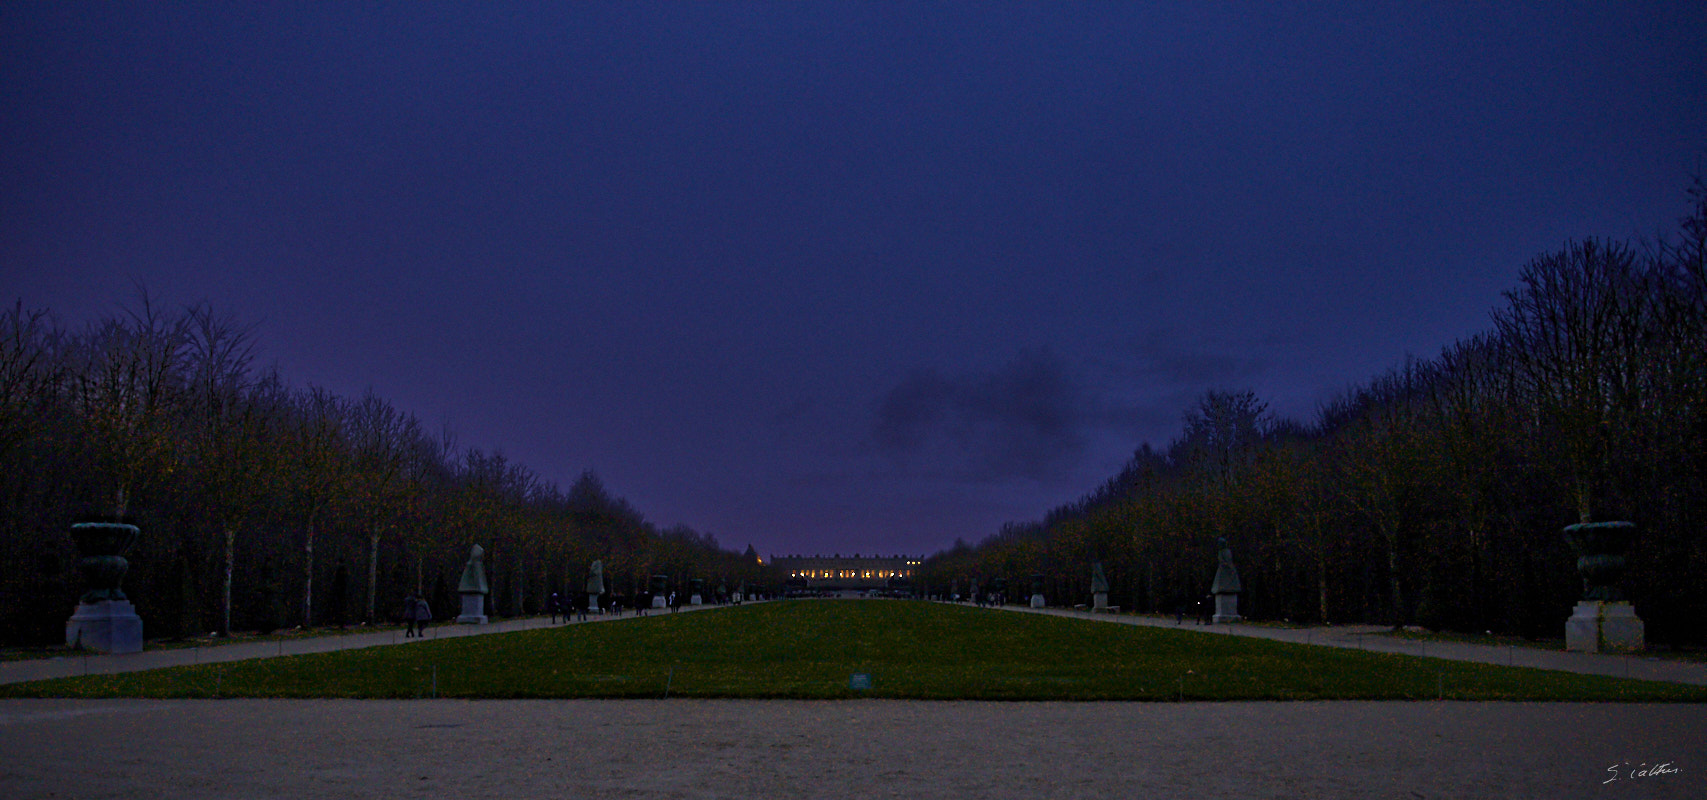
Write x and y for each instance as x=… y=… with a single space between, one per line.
x=1600 y=548
x=105 y=621
x=102 y=546
x=1603 y=620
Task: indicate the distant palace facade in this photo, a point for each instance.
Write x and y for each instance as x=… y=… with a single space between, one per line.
x=847 y=572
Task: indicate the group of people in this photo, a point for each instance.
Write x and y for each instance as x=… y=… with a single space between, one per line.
x=416 y=615
x=579 y=605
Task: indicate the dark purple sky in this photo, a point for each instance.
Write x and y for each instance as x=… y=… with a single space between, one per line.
x=833 y=277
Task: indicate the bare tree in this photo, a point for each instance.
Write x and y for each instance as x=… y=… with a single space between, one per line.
x=320 y=455
x=381 y=439
x=1577 y=335
x=1682 y=347
x=1221 y=434
x=232 y=409
x=1469 y=429
x=125 y=382
x=26 y=372
x=1378 y=460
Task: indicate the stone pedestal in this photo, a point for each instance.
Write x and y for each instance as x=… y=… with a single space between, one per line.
x=659 y=601
x=693 y=600
x=593 y=605
x=1099 y=601
x=473 y=609
x=1600 y=626
x=105 y=626
x=1037 y=601
x=1226 y=608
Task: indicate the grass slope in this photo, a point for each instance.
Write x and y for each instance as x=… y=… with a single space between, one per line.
x=809 y=649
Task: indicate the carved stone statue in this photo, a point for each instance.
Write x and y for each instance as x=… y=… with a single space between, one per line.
x=474 y=574
x=1099 y=581
x=1226 y=587
x=595 y=586
x=596 y=579
x=473 y=588
x=1226 y=575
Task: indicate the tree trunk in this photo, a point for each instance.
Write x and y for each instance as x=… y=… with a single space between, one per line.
x=1393 y=580
x=1476 y=606
x=1322 y=583
x=230 y=567
x=1322 y=593
x=518 y=586
x=372 y=571
x=1151 y=598
x=1280 y=596
x=308 y=580
x=1321 y=548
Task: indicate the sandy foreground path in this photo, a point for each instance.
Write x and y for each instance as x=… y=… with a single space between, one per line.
x=846 y=749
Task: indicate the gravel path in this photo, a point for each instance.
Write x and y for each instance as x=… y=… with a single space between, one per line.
x=757 y=750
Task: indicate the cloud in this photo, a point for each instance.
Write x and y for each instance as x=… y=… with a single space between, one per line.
x=1042 y=418
x=1195 y=362
x=1026 y=419
x=1143 y=387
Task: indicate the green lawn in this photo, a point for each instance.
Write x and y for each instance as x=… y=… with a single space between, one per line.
x=809 y=649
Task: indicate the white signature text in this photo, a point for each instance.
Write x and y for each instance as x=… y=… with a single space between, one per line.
x=1642 y=770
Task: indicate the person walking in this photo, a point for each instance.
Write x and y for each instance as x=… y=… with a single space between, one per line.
x=581 y=604
x=423 y=616
x=555 y=605
x=409 y=604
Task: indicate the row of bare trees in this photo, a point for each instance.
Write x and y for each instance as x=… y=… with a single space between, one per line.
x=1434 y=494
x=266 y=506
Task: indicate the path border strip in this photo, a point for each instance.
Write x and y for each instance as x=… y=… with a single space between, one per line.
x=1368 y=638
x=78 y=665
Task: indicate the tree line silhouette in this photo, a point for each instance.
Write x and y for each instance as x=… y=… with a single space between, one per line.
x=266 y=506
x=1433 y=494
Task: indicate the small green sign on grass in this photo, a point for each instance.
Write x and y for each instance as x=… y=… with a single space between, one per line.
x=859 y=682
